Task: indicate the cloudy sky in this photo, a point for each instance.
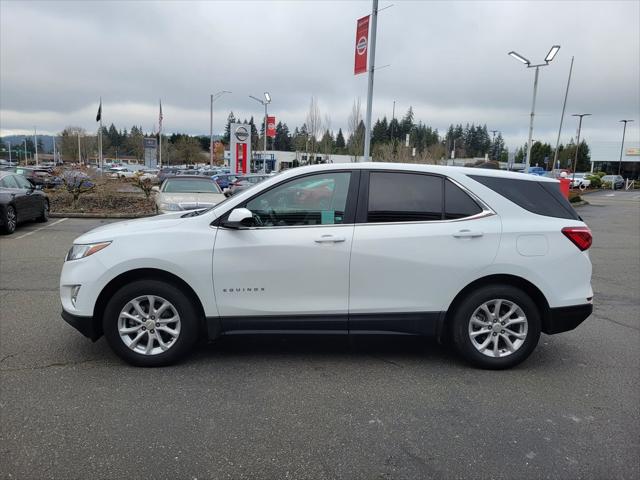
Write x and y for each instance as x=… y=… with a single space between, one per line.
x=447 y=59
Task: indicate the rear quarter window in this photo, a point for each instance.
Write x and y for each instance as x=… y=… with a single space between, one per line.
x=542 y=198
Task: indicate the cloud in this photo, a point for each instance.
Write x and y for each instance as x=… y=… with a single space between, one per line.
x=447 y=59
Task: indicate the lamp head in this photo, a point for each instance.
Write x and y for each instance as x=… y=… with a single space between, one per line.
x=552 y=53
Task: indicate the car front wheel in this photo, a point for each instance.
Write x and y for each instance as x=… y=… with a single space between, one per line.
x=496 y=327
x=44 y=216
x=10 y=220
x=149 y=323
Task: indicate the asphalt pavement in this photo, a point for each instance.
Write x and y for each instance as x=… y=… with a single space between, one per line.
x=298 y=408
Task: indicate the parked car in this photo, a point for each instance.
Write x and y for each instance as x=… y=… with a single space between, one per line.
x=486 y=258
x=242 y=182
x=41 y=176
x=224 y=180
x=20 y=201
x=536 y=171
x=579 y=180
x=167 y=172
x=120 y=172
x=189 y=192
x=150 y=174
x=617 y=180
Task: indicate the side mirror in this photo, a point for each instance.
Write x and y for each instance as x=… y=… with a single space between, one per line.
x=239 y=218
x=155 y=189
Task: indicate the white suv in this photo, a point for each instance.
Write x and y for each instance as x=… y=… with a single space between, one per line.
x=487 y=259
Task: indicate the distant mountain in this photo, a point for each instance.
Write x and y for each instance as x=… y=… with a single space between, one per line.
x=15 y=140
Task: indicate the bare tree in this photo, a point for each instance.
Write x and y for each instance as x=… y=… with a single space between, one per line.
x=314 y=128
x=356 y=143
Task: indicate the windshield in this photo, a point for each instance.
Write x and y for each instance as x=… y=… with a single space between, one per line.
x=196 y=185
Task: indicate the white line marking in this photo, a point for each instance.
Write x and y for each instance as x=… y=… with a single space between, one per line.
x=41 y=228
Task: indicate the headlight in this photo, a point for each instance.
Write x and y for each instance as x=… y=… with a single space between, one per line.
x=77 y=252
x=170 y=206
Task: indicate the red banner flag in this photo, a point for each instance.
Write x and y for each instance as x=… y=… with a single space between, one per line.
x=271 y=127
x=362 y=43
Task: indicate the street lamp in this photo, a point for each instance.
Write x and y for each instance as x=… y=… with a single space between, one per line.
x=624 y=130
x=550 y=56
x=214 y=97
x=575 y=161
x=265 y=102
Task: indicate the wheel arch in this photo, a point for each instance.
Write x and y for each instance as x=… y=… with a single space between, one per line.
x=444 y=331
x=140 y=274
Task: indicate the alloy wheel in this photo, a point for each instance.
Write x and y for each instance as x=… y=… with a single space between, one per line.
x=149 y=325
x=11 y=219
x=498 y=328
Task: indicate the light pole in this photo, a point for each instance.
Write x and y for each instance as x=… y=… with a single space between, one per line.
x=26 y=161
x=493 y=140
x=214 y=97
x=35 y=143
x=550 y=56
x=575 y=161
x=265 y=102
x=624 y=130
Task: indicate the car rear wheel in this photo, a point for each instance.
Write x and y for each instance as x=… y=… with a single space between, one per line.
x=10 y=220
x=44 y=216
x=149 y=323
x=496 y=327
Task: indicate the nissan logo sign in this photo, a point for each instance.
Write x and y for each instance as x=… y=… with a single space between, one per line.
x=241 y=134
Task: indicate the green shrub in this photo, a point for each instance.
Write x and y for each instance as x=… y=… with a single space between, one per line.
x=575 y=198
x=606 y=185
x=600 y=174
x=596 y=181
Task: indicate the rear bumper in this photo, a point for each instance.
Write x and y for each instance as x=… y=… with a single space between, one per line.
x=563 y=319
x=88 y=326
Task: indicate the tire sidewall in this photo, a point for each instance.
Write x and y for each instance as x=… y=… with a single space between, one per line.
x=7 y=229
x=462 y=316
x=45 y=212
x=189 y=324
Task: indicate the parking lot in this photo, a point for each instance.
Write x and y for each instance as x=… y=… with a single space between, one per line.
x=319 y=408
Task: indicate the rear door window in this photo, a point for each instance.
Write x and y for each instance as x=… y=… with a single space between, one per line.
x=8 y=182
x=404 y=197
x=457 y=203
x=543 y=198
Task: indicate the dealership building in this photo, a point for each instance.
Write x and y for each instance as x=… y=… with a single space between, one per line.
x=605 y=157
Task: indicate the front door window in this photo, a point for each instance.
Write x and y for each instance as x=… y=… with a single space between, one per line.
x=311 y=200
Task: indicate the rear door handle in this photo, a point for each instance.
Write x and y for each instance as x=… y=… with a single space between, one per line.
x=330 y=239
x=467 y=234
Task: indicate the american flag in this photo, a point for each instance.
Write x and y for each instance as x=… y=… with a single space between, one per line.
x=160 y=117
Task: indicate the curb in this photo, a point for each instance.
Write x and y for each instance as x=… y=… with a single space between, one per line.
x=580 y=204
x=99 y=215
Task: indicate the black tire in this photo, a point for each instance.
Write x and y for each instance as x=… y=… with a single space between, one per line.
x=189 y=323
x=44 y=216
x=462 y=318
x=10 y=220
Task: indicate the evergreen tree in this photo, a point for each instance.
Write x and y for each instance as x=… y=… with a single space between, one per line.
x=282 y=140
x=226 y=138
x=379 y=131
x=327 y=143
x=407 y=123
x=340 y=144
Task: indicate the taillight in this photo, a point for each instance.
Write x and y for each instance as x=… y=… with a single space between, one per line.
x=580 y=236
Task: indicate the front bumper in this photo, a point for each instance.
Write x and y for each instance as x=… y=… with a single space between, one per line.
x=88 y=326
x=563 y=319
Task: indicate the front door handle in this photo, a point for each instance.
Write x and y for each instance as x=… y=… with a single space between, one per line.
x=467 y=234
x=330 y=239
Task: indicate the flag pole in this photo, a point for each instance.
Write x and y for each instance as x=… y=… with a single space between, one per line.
x=100 y=137
x=160 y=137
x=35 y=143
x=372 y=59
